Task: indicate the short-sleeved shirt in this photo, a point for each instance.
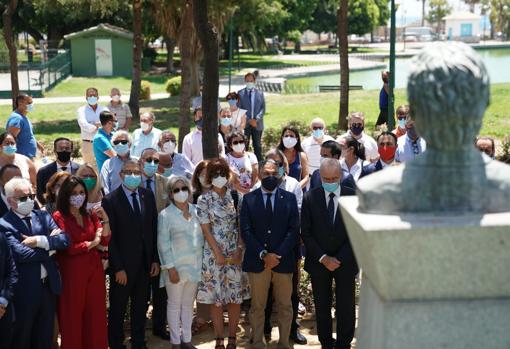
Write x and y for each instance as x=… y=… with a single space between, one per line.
x=25 y=141
x=142 y=141
x=102 y=142
x=121 y=111
x=242 y=167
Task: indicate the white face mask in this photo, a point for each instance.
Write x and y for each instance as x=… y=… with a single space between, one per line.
x=145 y=126
x=24 y=208
x=219 y=182
x=169 y=147
x=289 y=142
x=116 y=98
x=238 y=148
x=181 y=196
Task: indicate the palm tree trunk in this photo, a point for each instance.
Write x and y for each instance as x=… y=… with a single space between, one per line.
x=208 y=36
x=134 y=97
x=170 y=49
x=7 y=15
x=344 y=64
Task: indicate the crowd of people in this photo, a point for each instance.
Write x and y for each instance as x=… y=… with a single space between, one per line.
x=181 y=232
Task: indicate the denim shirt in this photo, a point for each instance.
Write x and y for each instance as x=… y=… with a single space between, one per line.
x=180 y=244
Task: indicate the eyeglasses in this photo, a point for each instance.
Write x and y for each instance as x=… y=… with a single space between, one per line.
x=154 y=160
x=183 y=189
x=26 y=197
x=237 y=142
x=315 y=128
x=120 y=141
x=88 y=176
x=132 y=173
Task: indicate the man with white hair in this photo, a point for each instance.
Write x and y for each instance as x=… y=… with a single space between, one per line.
x=33 y=236
x=312 y=144
x=356 y=123
x=110 y=173
x=329 y=257
x=147 y=136
x=170 y=161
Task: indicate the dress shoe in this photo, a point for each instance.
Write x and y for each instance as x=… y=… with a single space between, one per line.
x=187 y=346
x=162 y=334
x=298 y=338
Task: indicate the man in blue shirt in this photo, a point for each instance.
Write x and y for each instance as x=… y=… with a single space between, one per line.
x=21 y=128
x=103 y=149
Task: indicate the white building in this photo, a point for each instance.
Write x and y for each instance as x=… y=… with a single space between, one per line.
x=463 y=26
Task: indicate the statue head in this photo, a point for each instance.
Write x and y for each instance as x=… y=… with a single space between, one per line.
x=448 y=91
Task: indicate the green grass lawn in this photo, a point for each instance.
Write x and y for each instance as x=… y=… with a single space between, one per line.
x=76 y=86
x=51 y=121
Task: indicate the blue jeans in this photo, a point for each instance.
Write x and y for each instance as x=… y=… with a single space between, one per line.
x=256 y=136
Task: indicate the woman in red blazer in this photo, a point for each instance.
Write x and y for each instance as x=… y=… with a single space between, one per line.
x=82 y=304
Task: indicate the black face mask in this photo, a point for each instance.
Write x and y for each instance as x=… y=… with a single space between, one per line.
x=64 y=156
x=270 y=183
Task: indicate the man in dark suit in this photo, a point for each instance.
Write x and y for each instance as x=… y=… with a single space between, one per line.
x=132 y=254
x=270 y=227
x=252 y=100
x=7 y=172
x=332 y=150
x=8 y=279
x=63 y=148
x=329 y=256
x=32 y=236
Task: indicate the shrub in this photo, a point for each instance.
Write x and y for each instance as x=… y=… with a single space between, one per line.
x=173 y=86
x=145 y=91
x=271 y=136
x=505 y=153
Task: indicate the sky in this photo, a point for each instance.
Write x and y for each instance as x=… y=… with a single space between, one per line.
x=410 y=10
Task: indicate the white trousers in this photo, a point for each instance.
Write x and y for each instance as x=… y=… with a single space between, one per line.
x=179 y=310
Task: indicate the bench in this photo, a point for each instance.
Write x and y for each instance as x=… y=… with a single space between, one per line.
x=330 y=88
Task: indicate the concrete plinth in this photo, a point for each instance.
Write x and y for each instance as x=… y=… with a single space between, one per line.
x=431 y=281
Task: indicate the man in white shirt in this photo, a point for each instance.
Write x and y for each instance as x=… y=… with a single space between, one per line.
x=147 y=136
x=88 y=119
x=409 y=145
x=356 y=122
x=312 y=144
x=192 y=143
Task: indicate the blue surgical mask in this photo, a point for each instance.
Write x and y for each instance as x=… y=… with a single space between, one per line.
x=92 y=100
x=150 y=168
x=330 y=187
x=281 y=171
x=250 y=85
x=30 y=107
x=168 y=171
x=319 y=133
x=402 y=123
x=232 y=102
x=200 y=123
x=9 y=149
x=132 y=181
x=226 y=121
x=121 y=149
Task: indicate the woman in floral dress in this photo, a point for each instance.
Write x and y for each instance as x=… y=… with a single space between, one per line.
x=221 y=267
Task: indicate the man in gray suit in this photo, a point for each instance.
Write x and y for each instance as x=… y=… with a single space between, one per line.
x=252 y=100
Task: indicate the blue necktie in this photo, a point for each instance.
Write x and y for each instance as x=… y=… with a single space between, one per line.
x=136 y=206
x=331 y=208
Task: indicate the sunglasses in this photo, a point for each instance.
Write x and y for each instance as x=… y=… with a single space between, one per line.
x=132 y=173
x=357 y=125
x=315 y=128
x=183 y=189
x=88 y=176
x=122 y=141
x=26 y=197
x=402 y=117
x=237 y=142
x=154 y=160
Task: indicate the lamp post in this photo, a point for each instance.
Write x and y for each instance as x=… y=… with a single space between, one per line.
x=393 y=38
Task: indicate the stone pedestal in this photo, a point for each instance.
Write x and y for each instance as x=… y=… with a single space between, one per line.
x=431 y=281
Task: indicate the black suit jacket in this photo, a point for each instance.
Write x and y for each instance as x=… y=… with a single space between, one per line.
x=8 y=274
x=3 y=208
x=348 y=184
x=321 y=236
x=133 y=242
x=44 y=174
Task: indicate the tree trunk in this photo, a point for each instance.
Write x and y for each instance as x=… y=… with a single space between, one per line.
x=7 y=15
x=422 y=13
x=344 y=64
x=208 y=35
x=134 y=97
x=170 y=49
x=185 y=49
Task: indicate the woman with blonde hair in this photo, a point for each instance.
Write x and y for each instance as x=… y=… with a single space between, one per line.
x=88 y=174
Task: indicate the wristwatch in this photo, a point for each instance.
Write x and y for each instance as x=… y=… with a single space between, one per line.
x=263 y=254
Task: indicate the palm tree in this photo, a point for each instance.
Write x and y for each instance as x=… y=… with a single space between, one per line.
x=422 y=12
x=8 y=13
x=344 y=64
x=134 y=103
